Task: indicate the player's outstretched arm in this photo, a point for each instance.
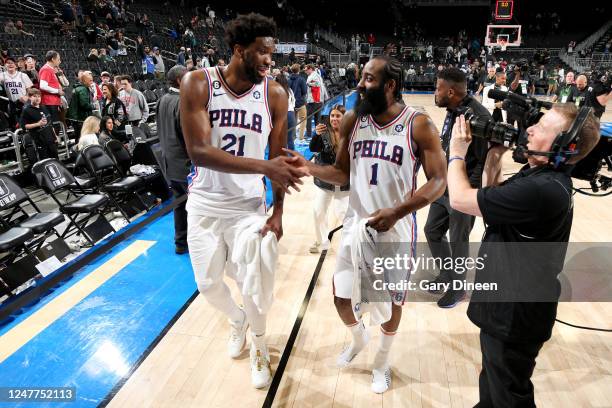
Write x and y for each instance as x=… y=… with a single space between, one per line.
x=195 y=124
x=277 y=98
x=339 y=172
x=431 y=155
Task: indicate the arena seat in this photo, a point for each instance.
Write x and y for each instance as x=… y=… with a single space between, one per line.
x=53 y=177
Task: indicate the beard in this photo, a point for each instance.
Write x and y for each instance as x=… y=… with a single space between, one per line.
x=371 y=102
x=250 y=69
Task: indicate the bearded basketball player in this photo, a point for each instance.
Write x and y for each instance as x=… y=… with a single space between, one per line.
x=383 y=143
x=228 y=116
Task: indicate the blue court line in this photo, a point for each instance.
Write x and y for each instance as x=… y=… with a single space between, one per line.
x=93 y=345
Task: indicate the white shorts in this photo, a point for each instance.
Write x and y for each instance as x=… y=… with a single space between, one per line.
x=343 y=275
x=211 y=241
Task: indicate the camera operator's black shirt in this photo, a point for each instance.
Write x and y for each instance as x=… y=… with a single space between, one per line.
x=524 y=84
x=528 y=218
x=477 y=152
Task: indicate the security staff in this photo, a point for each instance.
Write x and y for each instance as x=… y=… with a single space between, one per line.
x=451 y=93
x=528 y=219
x=175 y=160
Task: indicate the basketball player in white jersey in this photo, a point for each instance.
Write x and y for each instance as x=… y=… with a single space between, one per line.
x=228 y=116
x=382 y=144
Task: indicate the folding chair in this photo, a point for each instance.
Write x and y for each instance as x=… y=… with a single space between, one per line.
x=53 y=178
x=121 y=190
x=42 y=224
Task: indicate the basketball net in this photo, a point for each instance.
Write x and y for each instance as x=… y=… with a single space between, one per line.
x=502 y=44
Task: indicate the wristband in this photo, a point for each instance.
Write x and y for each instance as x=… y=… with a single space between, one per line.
x=455 y=158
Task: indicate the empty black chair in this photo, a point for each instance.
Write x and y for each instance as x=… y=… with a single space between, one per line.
x=120 y=189
x=42 y=224
x=150 y=96
x=53 y=177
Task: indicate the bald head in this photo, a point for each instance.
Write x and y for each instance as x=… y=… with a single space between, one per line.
x=581 y=82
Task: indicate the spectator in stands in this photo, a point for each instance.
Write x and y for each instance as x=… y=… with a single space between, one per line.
x=122 y=49
x=314 y=99
x=160 y=67
x=298 y=86
x=175 y=159
x=30 y=70
x=50 y=86
x=103 y=57
x=486 y=80
x=221 y=62
x=325 y=144
x=82 y=102
x=36 y=119
x=149 y=61
x=553 y=78
x=134 y=102
x=282 y=80
x=16 y=85
x=112 y=44
x=113 y=107
x=9 y=27
x=107 y=130
x=189 y=65
x=180 y=57
x=105 y=78
x=495 y=107
x=93 y=55
x=89 y=133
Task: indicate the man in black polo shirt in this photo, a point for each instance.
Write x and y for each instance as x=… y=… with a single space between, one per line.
x=525 y=215
x=451 y=93
x=595 y=95
x=36 y=120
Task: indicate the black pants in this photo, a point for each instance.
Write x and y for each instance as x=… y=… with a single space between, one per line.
x=310 y=109
x=179 y=189
x=505 y=379
x=442 y=218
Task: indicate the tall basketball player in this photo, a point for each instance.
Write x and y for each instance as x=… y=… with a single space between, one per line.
x=383 y=143
x=228 y=116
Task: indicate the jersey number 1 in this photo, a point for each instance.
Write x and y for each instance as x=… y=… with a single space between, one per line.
x=374 y=179
x=231 y=142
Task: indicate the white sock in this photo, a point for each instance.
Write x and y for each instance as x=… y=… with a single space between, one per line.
x=359 y=341
x=381 y=359
x=259 y=342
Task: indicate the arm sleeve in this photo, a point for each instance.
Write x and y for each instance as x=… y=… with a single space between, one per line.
x=516 y=202
x=44 y=86
x=26 y=80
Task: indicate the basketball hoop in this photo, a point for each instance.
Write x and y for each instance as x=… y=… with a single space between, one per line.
x=502 y=44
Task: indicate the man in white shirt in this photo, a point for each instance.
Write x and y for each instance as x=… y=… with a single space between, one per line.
x=314 y=101
x=492 y=105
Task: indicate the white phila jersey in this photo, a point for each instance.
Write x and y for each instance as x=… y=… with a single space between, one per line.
x=240 y=125
x=384 y=169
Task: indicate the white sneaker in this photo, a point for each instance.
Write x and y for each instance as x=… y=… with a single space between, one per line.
x=381 y=380
x=261 y=374
x=237 y=339
x=314 y=249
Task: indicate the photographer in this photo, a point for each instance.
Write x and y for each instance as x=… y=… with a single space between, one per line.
x=520 y=84
x=534 y=206
x=451 y=93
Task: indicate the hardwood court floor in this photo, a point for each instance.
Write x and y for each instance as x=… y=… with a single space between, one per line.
x=435 y=358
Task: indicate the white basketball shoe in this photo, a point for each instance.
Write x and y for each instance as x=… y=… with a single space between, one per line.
x=261 y=374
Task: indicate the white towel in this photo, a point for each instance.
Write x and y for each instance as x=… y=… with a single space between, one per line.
x=363 y=252
x=255 y=259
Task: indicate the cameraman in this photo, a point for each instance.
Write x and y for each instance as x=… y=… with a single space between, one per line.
x=534 y=206
x=451 y=93
x=521 y=84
